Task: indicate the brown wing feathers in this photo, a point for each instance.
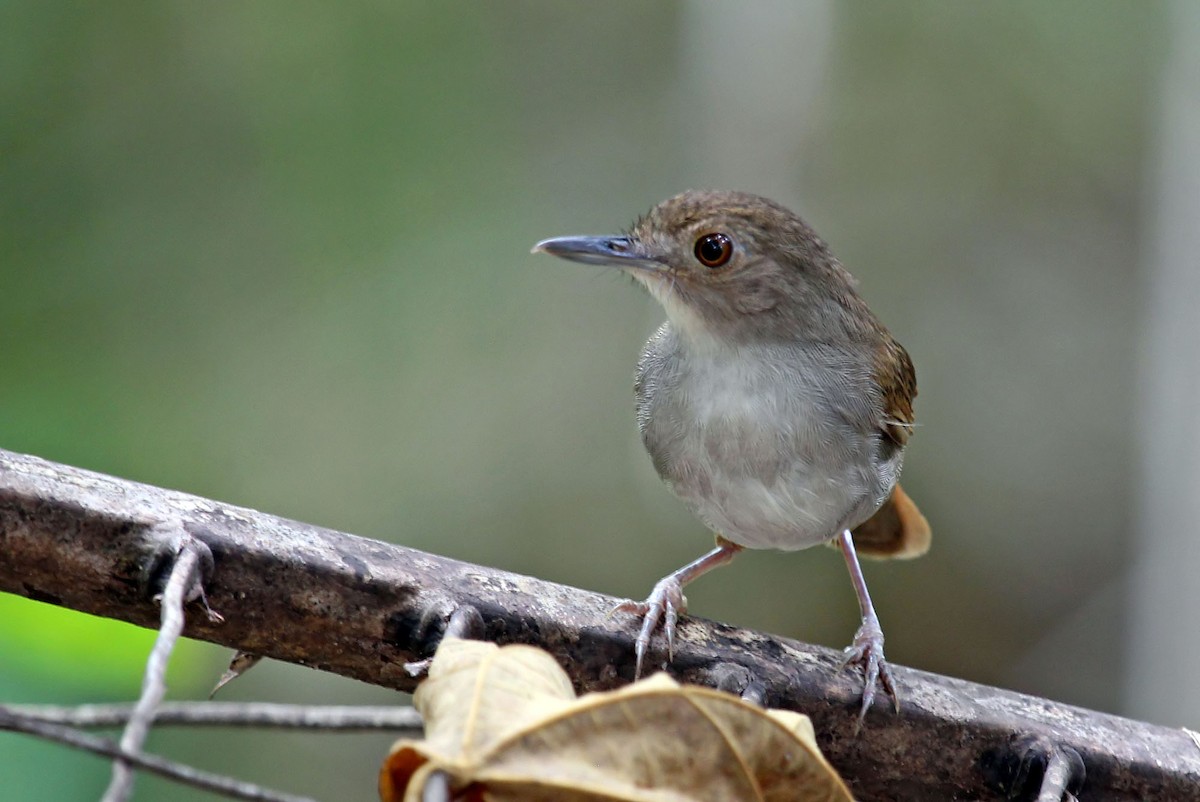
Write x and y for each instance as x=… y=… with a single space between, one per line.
x=897 y=529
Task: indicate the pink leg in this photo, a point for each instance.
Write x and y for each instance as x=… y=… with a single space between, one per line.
x=867 y=647
x=666 y=602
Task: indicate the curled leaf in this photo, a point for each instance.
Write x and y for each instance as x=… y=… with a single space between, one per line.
x=238 y=665
x=503 y=724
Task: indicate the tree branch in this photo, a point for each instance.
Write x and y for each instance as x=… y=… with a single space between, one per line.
x=362 y=608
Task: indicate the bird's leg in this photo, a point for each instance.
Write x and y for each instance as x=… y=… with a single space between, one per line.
x=867 y=648
x=666 y=602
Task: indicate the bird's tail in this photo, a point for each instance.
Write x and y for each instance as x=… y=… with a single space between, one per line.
x=897 y=530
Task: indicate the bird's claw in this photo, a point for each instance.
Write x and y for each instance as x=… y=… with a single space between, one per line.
x=867 y=650
x=663 y=606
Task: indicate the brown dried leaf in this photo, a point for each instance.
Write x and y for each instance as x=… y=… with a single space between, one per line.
x=504 y=725
x=239 y=665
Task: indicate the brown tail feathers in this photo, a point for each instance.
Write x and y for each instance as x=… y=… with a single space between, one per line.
x=897 y=530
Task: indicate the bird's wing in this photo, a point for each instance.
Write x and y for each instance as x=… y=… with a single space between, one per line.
x=898 y=385
x=897 y=528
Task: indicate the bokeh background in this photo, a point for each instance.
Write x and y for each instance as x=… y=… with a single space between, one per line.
x=278 y=254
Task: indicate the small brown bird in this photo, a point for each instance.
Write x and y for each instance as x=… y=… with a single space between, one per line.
x=772 y=401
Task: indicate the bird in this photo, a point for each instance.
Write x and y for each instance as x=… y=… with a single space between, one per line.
x=772 y=401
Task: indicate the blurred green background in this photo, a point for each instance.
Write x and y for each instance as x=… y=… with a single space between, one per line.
x=278 y=255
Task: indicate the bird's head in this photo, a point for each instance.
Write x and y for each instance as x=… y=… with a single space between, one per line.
x=726 y=265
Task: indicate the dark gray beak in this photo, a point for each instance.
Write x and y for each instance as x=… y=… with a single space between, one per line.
x=615 y=251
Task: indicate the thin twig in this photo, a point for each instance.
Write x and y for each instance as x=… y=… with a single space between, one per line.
x=235 y=789
x=1056 y=778
x=184 y=576
x=331 y=718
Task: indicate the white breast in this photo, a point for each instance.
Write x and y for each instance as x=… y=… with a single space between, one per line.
x=753 y=441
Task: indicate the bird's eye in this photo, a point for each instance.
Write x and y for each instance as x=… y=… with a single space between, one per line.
x=714 y=250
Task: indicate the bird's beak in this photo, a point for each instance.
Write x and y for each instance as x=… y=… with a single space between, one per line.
x=616 y=251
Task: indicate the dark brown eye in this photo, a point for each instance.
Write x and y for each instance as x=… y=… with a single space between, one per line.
x=714 y=250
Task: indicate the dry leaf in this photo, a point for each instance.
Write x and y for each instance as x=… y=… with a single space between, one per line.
x=504 y=725
x=239 y=665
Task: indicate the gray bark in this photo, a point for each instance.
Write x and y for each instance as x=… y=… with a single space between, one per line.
x=362 y=608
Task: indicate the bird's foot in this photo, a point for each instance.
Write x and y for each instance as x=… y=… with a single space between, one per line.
x=663 y=606
x=867 y=651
